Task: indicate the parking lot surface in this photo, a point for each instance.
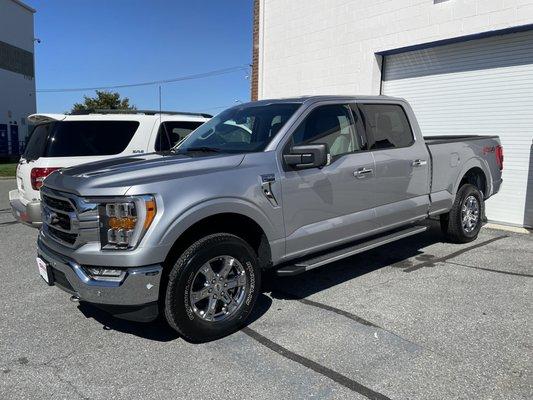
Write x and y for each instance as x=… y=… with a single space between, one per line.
x=417 y=319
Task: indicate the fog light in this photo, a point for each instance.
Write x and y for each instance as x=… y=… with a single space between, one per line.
x=105 y=273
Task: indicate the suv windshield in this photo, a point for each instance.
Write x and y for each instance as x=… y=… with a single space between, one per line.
x=240 y=129
x=80 y=138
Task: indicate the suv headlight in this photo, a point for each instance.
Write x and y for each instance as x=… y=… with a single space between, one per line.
x=124 y=221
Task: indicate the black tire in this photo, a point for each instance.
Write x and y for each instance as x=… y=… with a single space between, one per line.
x=178 y=306
x=452 y=222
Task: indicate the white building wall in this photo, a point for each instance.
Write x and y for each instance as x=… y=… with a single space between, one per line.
x=328 y=46
x=17 y=92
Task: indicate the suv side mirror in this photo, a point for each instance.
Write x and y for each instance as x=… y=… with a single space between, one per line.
x=307 y=156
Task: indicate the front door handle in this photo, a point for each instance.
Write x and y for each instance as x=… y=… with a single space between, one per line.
x=362 y=172
x=419 y=163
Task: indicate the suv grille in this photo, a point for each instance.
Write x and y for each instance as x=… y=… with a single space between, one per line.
x=68 y=219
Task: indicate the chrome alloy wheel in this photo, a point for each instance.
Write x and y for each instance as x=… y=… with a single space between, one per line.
x=470 y=214
x=218 y=289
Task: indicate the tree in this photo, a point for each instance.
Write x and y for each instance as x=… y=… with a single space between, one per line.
x=104 y=100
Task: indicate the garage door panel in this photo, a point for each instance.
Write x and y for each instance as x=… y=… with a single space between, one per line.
x=480 y=86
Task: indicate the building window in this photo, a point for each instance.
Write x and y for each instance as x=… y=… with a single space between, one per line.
x=15 y=59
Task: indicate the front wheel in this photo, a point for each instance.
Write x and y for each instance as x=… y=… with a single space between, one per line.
x=212 y=288
x=463 y=223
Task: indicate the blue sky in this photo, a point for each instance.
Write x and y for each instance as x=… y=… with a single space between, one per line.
x=103 y=42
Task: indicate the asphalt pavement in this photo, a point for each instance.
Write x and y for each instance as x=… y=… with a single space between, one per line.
x=416 y=319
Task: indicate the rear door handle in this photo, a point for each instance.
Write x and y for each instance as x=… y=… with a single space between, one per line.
x=419 y=163
x=362 y=172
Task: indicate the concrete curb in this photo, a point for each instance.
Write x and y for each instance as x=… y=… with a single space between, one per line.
x=508 y=228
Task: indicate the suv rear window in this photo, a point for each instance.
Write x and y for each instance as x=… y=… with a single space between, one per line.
x=37 y=142
x=171 y=132
x=80 y=138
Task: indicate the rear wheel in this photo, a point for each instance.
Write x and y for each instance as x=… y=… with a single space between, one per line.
x=463 y=223
x=212 y=288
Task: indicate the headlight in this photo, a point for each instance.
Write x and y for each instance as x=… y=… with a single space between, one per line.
x=123 y=222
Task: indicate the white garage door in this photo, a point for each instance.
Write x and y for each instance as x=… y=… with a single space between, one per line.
x=482 y=86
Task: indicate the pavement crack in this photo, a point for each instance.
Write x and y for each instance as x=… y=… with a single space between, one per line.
x=498 y=271
x=433 y=261
x=355 y=318
x=56 y=370
x=308 y=363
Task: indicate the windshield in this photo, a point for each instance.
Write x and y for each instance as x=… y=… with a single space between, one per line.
x=243 y=129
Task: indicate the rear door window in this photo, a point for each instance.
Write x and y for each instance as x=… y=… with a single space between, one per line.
x=171 y=132
x=386 y=126
x=89 y=138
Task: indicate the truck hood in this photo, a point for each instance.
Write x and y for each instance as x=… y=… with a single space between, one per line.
x=120 y=174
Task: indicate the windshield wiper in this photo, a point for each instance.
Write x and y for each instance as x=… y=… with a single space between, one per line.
x=203 y=149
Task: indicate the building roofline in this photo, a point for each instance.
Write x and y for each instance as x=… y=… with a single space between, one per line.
x=24 y=5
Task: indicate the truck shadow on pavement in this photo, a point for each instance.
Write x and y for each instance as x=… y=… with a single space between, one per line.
x=397 y=255
x=157 y=330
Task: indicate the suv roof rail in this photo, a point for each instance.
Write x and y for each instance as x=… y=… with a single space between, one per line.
x=146 y=112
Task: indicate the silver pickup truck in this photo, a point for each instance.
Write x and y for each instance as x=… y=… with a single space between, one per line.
x=288 y=185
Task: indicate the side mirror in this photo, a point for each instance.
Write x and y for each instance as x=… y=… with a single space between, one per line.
x=307 y=156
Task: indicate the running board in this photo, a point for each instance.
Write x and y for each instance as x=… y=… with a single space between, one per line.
x=311 y=263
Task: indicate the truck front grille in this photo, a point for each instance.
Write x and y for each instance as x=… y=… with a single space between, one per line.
x=68 y=219
x=58 y=204
x=69 y=238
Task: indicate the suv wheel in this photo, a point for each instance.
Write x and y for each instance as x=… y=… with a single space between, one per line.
x=463 y=223
x=212 y=288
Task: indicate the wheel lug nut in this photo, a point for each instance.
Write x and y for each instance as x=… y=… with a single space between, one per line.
x=225 y=284
x=210 y=290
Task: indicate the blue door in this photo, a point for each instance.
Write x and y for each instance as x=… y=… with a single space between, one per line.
x=3 y=139
x=14 y=139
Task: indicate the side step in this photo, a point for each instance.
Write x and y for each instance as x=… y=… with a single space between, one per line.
x=317 y=261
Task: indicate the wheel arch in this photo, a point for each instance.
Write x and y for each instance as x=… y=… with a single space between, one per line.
x=476 y=173
x=235 y=216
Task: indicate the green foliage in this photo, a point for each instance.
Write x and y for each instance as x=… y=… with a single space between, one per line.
x=104 y=100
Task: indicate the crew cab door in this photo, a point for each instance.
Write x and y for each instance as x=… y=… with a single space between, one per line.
x=335 y=203
x=402 y=164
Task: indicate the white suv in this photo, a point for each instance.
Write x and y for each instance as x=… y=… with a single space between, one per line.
x=60 y=141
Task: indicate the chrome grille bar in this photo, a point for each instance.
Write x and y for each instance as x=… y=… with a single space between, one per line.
x=58 y=208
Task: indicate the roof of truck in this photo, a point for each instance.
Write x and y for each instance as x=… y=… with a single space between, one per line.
x=315 y=98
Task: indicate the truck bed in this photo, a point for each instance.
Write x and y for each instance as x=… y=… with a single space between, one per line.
x=456 y=138
x=452 y=156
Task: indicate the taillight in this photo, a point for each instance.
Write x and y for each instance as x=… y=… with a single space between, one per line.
x=499 y=156
x=37 y=176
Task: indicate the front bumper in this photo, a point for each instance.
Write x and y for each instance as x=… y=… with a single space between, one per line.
x=134 y=298
x=29 y=213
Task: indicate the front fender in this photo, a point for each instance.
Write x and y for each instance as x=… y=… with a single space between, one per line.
x=212 y=207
